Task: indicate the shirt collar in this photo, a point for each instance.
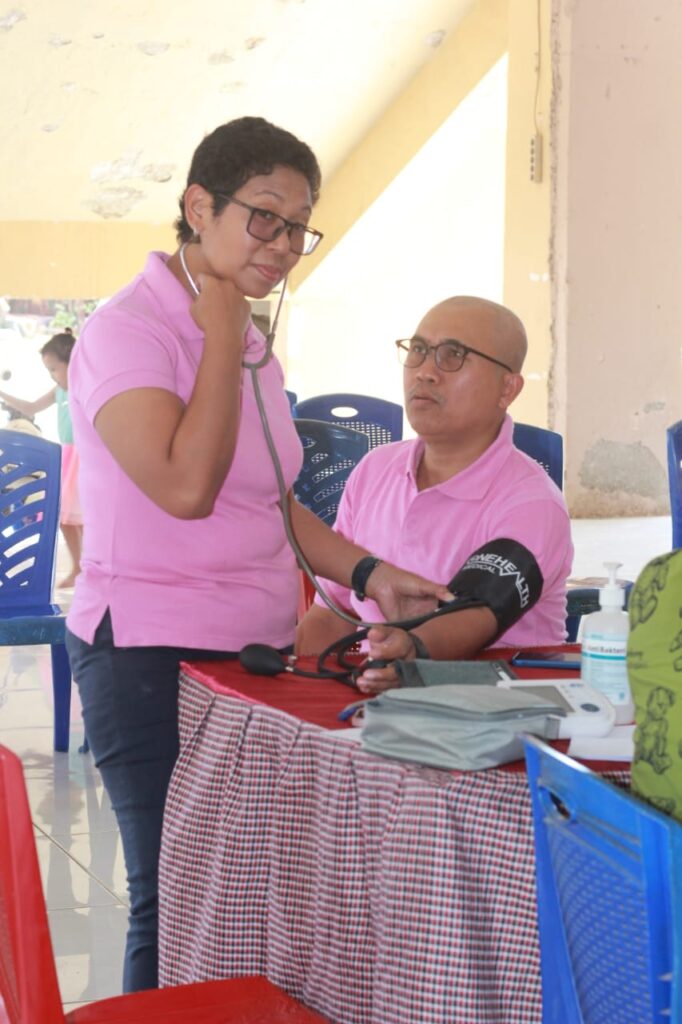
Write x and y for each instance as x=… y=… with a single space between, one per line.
x=174 y=303
x=474 y=481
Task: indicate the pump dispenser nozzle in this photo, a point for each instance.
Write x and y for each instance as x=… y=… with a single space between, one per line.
x=612 y=595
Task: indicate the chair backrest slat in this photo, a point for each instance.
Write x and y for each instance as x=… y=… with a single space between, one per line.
x=545 y=446
x=605 y=865
x=29 y=517
x=329 y=454
x=380 y=419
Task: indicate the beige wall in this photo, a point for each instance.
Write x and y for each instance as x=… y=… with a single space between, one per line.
x=495 y=221
x=74 y=260
x=617 y=248
x=478 y=42
x=437 y=230
x=527 y=209
x=414 y=214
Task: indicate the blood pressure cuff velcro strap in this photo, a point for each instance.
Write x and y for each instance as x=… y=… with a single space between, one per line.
x=504 y=575
x=420 y=672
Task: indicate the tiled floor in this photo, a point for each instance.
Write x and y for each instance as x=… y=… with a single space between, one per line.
x=78 y=844
x=79 y=848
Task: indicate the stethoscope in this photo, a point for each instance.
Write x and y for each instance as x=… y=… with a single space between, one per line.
x=260 y=658
x=270 y=337
x=264 y=660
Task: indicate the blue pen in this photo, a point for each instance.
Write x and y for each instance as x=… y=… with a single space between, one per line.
x=350 y=710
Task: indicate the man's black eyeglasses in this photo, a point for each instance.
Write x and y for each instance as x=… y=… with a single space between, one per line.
x=266 y=226
x=449 y=355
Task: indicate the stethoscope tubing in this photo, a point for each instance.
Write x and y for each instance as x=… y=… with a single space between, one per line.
x=361 y=627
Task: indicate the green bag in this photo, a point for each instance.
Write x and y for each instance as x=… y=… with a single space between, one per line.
x=466 y=727
x=654 y=661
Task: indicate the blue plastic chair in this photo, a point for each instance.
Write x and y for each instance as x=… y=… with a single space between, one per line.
x=293 y=398
x=674 y=435
x=29 y=517
x=545 y=446
x=381 y=420
x=581 y=600
x=609 y=909
x=329 y=454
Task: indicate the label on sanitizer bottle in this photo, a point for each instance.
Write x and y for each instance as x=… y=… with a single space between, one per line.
x=604 y=667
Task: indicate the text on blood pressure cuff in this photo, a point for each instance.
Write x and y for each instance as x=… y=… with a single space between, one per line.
x=504 y=575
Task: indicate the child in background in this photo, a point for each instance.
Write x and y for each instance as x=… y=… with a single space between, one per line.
x=56 y=354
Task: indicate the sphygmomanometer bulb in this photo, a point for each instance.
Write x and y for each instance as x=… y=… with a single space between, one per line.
x=262 y=660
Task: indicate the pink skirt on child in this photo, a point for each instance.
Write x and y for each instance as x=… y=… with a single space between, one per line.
x=70 y=513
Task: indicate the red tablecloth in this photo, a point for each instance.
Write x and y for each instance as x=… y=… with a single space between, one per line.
x=317 y=701
x=378 y=892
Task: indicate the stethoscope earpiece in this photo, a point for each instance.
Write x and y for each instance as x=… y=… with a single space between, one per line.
x=183 y=263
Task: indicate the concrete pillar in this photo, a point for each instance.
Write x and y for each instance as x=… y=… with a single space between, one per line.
x=616 y=249
x=527 y=287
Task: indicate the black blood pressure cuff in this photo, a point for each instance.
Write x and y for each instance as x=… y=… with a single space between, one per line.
x=503 y=575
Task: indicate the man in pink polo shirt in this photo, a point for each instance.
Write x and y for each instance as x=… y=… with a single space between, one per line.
x=426 y=504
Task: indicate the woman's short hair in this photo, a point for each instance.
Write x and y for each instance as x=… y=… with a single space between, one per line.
x=60 y=345
x=234 y=152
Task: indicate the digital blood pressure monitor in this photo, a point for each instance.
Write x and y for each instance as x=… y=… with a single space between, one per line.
x=586 y=711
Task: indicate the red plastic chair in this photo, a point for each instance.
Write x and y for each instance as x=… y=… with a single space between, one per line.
x=29 y=988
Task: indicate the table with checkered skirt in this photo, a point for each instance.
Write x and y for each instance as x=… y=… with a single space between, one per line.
x=377 y=892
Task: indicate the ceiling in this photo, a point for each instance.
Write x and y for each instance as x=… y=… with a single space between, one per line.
x=103 y=104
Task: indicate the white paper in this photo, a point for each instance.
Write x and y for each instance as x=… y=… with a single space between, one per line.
x=354 y=735
x=617 y=746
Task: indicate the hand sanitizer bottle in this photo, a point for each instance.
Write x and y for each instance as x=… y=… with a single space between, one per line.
x=603 y=662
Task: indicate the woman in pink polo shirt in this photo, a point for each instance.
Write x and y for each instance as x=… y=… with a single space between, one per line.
x=185 y=554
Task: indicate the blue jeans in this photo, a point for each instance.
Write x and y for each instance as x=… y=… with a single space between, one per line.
x=130 y=710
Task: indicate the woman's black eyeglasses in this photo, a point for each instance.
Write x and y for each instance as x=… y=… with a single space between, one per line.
x=449 y=355
x=266 y=226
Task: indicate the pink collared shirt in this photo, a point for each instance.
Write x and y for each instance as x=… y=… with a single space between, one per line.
x=432 y=532
x=214 y=583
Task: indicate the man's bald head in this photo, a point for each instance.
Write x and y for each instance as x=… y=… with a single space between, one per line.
x=460 y=410
x=485 y=325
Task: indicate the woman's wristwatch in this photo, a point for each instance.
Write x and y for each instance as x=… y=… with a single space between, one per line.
x=361 y=573
x=358 y=581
